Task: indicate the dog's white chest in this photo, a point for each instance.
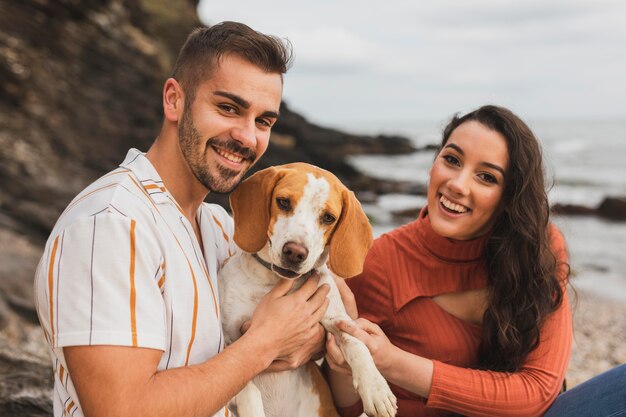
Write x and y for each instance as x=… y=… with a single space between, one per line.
x=240 y=290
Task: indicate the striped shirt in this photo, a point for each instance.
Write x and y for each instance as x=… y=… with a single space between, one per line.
x=123 y=267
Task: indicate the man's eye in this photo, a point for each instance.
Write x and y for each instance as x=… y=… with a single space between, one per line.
x=228 y=108
x=328 y=218
x=283 y=203
x=264 y=122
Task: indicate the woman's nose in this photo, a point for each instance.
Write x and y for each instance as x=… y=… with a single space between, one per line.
x=459 y=184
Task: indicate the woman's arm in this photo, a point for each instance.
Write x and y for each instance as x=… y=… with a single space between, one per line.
x=474 y=393
x=527 y=392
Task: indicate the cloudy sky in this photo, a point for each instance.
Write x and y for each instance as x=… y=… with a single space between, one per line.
x=365 y=64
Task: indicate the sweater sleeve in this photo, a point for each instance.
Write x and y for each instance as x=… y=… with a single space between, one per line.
x=372 y=294
x=527 y=392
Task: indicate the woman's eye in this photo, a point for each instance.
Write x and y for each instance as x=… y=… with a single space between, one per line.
x=451 y=159
x=328 y=218
x=283 y=203
x=488 y=178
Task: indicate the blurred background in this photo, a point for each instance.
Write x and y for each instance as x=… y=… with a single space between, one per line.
x=371 y=87
x=406 y=67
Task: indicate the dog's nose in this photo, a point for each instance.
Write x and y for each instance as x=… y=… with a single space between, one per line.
x=295 y=253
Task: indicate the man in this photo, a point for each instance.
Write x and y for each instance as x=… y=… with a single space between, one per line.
x=126 y=287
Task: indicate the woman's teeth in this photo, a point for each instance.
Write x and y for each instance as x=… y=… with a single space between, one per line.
x=452 y=206
x=231 y=157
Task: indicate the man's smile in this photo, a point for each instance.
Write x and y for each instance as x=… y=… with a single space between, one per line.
x=237 y=159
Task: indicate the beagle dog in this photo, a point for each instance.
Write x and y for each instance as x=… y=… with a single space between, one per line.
x=290 y=220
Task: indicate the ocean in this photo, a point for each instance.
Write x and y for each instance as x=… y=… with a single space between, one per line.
x=585 y=162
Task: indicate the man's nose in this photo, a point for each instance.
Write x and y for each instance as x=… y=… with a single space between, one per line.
x=245 y=133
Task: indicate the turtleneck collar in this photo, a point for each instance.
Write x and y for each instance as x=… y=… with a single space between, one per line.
x=446 y=249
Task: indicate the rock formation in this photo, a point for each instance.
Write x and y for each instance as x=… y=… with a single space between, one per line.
x=611 y=208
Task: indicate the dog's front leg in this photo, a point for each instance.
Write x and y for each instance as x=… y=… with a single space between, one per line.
x=249 y=401
x=378 y=400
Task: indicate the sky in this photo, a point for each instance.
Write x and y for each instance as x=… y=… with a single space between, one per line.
x=367 y=65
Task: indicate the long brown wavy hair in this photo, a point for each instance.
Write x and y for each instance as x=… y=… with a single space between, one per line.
x=523 y=286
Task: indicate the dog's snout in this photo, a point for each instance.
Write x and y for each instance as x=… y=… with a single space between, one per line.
x=295 y=253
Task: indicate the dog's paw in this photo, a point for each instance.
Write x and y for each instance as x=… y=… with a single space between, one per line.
x=377 y=398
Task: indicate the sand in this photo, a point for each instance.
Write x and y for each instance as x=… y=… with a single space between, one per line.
x=599 y=336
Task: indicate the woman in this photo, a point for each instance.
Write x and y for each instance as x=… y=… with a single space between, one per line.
x=465 y=310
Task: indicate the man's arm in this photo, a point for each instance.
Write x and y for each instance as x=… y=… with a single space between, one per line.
x=124 y=381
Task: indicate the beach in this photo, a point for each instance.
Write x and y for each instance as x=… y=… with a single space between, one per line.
x=599 y=336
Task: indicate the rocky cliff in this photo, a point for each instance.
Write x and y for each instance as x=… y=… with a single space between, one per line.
x=80 y=83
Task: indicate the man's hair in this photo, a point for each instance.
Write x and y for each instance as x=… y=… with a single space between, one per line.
x=205 y=46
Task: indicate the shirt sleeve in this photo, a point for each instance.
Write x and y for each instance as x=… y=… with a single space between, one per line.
x=527 y=392
x=102 y=284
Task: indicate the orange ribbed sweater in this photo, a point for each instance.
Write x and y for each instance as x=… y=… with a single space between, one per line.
x=408 y=266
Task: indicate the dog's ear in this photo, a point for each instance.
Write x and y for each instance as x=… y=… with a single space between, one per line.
x=351 y=239
x=250 y=203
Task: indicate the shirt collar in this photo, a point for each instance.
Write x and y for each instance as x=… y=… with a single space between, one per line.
x=147 y=176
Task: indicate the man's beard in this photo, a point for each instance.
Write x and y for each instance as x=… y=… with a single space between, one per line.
x=225 y=180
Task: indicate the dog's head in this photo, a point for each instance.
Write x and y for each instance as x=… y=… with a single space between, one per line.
x=300 y=216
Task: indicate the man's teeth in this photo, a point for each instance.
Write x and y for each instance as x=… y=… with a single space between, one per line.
x=452 y=206
x=231 y=157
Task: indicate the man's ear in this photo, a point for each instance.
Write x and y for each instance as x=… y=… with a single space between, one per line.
x=173 y=100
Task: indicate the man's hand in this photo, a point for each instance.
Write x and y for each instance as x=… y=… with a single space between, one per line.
x=313 y=350
x=289 y=322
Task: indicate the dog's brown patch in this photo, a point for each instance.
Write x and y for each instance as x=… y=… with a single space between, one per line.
x=320 y=387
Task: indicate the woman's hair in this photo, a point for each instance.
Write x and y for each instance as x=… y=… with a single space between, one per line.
x=523 y=286
x=206 y=45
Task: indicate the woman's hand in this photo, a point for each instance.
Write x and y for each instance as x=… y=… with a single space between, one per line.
x=371 y=335
x=374 y=338
x=406 y=370
x=334 y=357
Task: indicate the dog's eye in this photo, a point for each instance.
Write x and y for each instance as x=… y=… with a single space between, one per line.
x=328 y=218
x=283 y=203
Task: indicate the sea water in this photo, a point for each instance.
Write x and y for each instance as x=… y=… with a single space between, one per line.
x=585 y=162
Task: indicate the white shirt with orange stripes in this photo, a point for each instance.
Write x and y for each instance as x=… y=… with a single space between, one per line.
x=123 y=267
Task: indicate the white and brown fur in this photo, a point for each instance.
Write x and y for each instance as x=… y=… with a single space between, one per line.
x=323 y=226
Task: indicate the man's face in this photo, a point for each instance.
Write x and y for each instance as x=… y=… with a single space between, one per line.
x=227 y=127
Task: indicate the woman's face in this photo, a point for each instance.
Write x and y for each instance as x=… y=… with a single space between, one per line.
x=467 y=182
